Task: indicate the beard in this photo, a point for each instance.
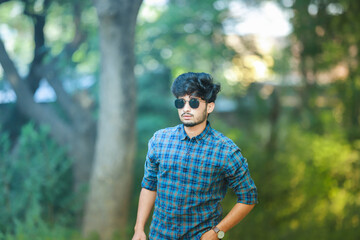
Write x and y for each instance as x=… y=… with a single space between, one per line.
x=202 y=118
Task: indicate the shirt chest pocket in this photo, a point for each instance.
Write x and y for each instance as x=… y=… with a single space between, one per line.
x=168 y=168
x=165 y=167
x=206 y=177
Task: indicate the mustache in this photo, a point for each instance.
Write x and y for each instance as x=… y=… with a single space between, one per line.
x=187 y=114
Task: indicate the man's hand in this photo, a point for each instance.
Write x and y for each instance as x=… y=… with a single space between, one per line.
x=209 y=235
x=139 y=235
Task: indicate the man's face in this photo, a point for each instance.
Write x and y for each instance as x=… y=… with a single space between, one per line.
x=193 y=116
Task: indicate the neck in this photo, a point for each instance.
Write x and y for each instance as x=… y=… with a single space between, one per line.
x=195 y=130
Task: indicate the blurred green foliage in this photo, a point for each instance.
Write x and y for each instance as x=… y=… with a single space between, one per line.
x=40 y=230
x=311 y=187
x=35 y=180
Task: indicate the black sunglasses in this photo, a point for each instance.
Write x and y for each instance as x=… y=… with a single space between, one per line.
x=193 y=102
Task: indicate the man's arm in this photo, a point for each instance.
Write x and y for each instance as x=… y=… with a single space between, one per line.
x=237 y=213
x=146 y=203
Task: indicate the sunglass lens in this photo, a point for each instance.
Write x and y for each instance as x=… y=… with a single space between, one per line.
x=194 y=103
x=179 y=103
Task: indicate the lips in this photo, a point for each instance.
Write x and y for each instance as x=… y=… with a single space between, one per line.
x=187 y=116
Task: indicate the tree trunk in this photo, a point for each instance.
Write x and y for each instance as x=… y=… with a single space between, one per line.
x=108 y=201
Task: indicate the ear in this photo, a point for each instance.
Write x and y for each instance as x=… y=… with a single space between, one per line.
x=210 y=107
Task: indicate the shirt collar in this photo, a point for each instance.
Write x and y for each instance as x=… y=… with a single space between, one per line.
x=199 y=137
x=183 y=134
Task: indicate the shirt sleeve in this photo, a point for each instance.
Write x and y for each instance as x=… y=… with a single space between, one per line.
x=239 y=179
x=151 y=167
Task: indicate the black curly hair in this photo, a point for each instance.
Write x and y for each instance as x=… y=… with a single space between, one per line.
x=196 y=84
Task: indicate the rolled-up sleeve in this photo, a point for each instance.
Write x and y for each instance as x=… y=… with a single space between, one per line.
x=151 y=167
x=239 y=179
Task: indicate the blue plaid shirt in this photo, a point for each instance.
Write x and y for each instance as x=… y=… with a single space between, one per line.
x=191 y=177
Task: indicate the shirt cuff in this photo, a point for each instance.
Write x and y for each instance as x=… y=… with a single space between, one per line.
x=149 y=185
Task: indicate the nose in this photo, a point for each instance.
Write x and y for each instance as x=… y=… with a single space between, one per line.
x=187 y=107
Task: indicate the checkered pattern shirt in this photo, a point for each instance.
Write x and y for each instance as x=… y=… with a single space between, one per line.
x=191 y=177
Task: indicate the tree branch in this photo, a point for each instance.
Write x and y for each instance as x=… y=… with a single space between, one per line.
x=61 y=132
x=78 y=115
x=40 y=51
x=78 y=39
x=4 y=1
x=33 y=78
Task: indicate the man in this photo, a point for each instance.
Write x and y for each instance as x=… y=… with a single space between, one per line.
x=188 y=169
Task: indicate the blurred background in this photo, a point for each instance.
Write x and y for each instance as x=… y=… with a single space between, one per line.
x=290 y=100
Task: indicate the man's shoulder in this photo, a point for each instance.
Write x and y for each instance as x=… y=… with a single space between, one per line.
x=167 y=132
x=223 y=140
